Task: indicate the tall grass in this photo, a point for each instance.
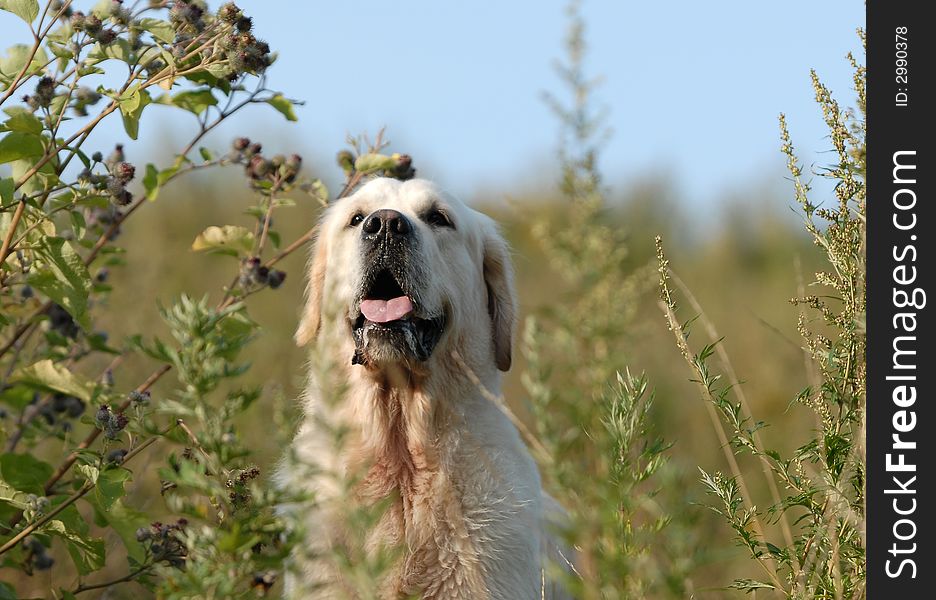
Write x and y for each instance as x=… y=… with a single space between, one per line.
x=591 y=412
x=809 y=540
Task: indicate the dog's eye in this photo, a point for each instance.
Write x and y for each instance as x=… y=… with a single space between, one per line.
x=437 y=218
x=356 y=220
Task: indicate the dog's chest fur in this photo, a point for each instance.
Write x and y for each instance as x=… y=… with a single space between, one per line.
x=432 y=517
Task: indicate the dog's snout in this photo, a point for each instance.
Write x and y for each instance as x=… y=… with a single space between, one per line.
x=387 y=222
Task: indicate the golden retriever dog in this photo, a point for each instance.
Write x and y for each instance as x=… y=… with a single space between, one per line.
x=411 y=306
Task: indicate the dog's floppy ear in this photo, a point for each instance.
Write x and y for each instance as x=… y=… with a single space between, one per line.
x=312 y=313
x=498 y=276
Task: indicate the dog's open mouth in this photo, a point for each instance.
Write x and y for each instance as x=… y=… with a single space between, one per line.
x=389 y=319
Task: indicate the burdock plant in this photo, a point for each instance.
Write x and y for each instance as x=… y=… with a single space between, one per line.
x=62 y=207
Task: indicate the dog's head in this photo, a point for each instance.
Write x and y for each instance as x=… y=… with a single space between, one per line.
x=402 y=272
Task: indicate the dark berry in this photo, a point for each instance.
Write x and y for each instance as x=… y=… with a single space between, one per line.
x=102 y=416
x=141 y=398
x=45 y=92
x=116 y=456
x=276 y=278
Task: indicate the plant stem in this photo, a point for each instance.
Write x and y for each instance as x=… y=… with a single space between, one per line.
x=5 y=248
x=128 y=577
x=84 y=489
x=155 y=376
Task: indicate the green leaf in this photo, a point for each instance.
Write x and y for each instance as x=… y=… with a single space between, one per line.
x=151 y=182
x=13 y=497
x=129 y=101
x=64 y=279
x=284 y=106
x=230 y=239
x=154 y=179
x=125 y=521
x=132 y=110
x=89 y=472
x=7 y=187
x=16 y=57
x=17 y=396
x=43 y=179
x=119 y=49
x=7 y=592
x=319 y=191
x=161 y=30
x=369 y=163
x=195 y=101
x=78 y=223
x=17 y=145
x=110 y=487
x=86 y=553
x=60 y=51
x=22 y=120
x=46 y=375
x=205 y=154
x=27 y=10
x=25 y=472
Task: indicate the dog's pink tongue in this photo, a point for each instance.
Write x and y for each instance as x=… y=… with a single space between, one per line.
x=384 y=311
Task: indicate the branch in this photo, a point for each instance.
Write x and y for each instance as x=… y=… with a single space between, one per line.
x=84 y=489
x=128 y=577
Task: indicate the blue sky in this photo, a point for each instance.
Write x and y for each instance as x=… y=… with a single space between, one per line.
x=693 y=88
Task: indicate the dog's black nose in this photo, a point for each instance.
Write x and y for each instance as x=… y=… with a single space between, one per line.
x=386 y=222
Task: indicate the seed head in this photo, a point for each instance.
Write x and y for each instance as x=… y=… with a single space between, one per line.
x=75 y=408
x=115 y=424
x=276 y=278
x=102 y=416
x=106 y=36
x=403 y=169
x=115 y=186
x=262 y=582
x=92 y=25
x=244 y=24
x=45 y=92
x=59 y=5
x=140 y=398
x=116 y=456
x=116 y=156
x=229 y=13
x=258 y=167
x=123 y=198
x=240 y=144
x=346 y=161
x=124 y=171
x=43 y=562
x=77 y=20
x=62 y=322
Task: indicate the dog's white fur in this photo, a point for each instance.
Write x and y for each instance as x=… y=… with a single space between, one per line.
x=466 y=507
